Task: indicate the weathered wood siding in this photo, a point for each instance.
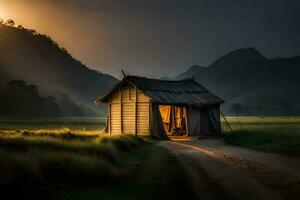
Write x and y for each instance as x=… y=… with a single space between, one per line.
x=143 y=108
x=143 y=118
x=129 y=111
x=114 y=116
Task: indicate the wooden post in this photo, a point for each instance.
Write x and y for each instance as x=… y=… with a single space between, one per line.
x=150 y=120
x=226 y=121
x=121 y=123
x=135 y=112
x=186 y=121
x=129 y=94
x=123 y=73
x=181 y=116
x=109 y=114
x=173 y=109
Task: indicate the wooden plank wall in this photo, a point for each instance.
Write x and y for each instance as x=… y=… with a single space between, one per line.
x=142 y=113
x=128 y=115
x=115 y=118
x=129 y=111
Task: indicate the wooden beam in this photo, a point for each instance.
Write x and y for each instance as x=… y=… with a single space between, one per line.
x=150 y=125
x=186 y=121
x=173 y=108
x=226 y=122
x=181 y=116
x=129 y=94
x=170 y=119
x=135 y=112
x=121 y=123
x=109 y=114
x=124 y=73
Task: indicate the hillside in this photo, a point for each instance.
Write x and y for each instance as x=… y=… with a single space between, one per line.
x=37 y=59
x=3 y=77
x=32 y=104
x=254 y=85
x=194 y=69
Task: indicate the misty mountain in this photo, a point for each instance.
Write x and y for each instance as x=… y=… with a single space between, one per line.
x=3 y=78
x=18 y=99
x=37 y=59
x=194 y=69
x=254 y=85
x=166 y=78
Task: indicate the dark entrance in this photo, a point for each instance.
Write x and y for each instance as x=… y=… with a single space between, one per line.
x=174 y=119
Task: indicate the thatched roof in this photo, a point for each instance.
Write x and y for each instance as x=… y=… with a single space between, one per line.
x=179 y=92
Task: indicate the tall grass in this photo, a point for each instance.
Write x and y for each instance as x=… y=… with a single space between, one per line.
x=74 y=123
x=266 y=141
x=61 y=132
x=54 y=159
x=272 y=134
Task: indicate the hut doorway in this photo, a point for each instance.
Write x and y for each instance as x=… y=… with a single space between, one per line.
x=174 y=119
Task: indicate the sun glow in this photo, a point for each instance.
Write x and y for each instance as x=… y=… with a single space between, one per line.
x=3 y=13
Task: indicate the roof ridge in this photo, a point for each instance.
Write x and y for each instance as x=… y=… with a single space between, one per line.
x=154 y=79
x=185 y=91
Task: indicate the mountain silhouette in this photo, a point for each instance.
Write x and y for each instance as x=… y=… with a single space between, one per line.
x=194 y=69
x=260 y=86
x=37 y=59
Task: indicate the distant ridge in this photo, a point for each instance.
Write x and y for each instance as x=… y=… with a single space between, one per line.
x=194 y=69
x=260 y=86
x=240 y=56
x=37 y=59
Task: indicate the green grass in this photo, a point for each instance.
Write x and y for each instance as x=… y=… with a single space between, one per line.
x=272 y=134
x=45 y=160
x=73 y=123
x=151 y=173
x=43 y=156
x=61 y=164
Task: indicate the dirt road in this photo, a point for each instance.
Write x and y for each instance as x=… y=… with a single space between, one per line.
x=221 y=171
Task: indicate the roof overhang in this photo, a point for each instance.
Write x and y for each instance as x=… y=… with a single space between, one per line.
x=164 y=96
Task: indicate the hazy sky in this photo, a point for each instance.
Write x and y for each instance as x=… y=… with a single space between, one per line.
x=160 y=37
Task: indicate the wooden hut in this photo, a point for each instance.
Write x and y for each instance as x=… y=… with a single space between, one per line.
x=158 y=108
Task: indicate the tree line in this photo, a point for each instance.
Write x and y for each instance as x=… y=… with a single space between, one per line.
x=18 y=99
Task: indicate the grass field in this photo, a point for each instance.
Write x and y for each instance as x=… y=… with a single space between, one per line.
x=42 y=159
x=46 y=154
x=274 y=134
x=50 y=160
x=152 y=173
x=73 y=123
